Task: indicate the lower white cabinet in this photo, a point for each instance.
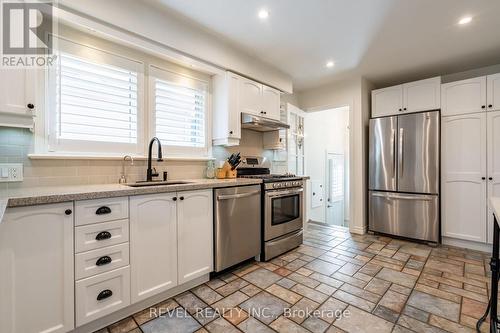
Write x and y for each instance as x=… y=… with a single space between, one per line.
x=493 y=154
x=195 y=234
x=36 y=269
x=153 y=244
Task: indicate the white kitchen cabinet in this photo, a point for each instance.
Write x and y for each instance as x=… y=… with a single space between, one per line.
x=493 y=92
x=17 y=97
x=153 y=244
x=493 y=159
x=463 y=177
x=422 y=95
x=36 y=269
x=195 y=234
x=387 y=101
x=250 y=96
x=271 y=102
x=465 y=96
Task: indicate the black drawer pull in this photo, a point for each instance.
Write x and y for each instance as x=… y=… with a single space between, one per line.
x=103 y=210
x=103 y=261
x=104 y=294
x=103 y=235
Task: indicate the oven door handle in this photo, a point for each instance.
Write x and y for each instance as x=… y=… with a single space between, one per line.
x=280 y=193
x=237 y=196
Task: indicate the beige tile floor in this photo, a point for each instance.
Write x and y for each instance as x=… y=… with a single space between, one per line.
x=355 y=283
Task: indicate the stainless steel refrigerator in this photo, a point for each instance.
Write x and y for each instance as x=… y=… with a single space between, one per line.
x=404 y=175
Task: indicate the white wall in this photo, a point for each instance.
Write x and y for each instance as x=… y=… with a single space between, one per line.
x=159 y=25
x=356 y=94
x=325 y=131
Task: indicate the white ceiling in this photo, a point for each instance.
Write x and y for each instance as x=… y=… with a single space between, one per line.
x=387 y=41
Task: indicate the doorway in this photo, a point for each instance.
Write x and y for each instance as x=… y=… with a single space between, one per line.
x=327 y=163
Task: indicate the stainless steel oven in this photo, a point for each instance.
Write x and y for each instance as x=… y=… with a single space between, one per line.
x=283 y=212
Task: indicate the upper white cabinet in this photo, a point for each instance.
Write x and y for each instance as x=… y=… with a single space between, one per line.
x=17 y=97
x=271 y=103
x=153 y=244
x=493 y=92
x=464 y=177
x=387 y=101
x=36 y=269
x=461 y=97
x=195 y=234
x=233 y=95
x=422 y=95
x=415 y=96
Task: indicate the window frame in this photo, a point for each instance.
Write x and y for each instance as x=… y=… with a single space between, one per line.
x=179 y=151
x=67 y=146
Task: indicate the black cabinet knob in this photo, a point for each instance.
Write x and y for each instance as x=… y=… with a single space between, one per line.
x=68 y=212
x=490 y=178
x=103 y=236
x=230 y=132
x=103 y=210
x=483 y=106
x=103 y=261
x=483 y=178
x=174 y=198
x=404 y=109
x=400 y=109
x=104 y=294
x=182 y=198
x=30 y=106
x=490 y=106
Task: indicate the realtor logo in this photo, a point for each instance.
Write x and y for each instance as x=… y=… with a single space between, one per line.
x=26 y=27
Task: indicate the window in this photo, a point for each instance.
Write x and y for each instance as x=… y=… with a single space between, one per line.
x=96 y=101
x=179 y=106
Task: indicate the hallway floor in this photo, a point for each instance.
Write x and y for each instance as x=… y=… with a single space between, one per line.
x=334 y=282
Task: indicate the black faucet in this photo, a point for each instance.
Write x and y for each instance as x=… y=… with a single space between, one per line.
x=150 y=174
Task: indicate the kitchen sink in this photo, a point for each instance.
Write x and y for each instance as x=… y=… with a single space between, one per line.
x=157 y=183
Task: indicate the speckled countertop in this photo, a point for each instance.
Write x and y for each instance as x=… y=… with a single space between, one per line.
x=52 y=194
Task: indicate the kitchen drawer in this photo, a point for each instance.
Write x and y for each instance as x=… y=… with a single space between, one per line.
x=96 y=236
x=102 y=294
x=100 y=210
x=101 y=260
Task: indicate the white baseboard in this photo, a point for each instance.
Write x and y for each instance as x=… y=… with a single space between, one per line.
x=357 y=229
x=467 y=244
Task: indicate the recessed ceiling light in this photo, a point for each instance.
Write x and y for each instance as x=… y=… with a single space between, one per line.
x=263 y=14
x=330 y=64
x=465 y=20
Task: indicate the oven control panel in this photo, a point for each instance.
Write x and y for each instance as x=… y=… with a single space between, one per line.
x=284 y=184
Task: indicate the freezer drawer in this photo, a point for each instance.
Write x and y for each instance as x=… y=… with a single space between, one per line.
x=407 y=215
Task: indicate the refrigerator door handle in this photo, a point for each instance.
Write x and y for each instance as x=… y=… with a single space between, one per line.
x=404 y=197
x=401 y=151
x=394 y=152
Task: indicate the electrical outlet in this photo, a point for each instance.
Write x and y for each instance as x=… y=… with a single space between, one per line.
x=11 y=172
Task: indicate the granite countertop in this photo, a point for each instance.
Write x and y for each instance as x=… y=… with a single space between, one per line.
x=53 y=194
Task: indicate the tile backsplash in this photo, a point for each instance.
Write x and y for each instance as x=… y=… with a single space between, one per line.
x=17 y=143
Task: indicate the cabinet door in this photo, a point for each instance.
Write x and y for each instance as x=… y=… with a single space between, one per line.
x=493 y=144
x=463 y=166
x=234 y=113
x=271 y=103
x=250 y=96
x=195 y=234
x=423 y=95
x=153 y=244
x=36 y=269
x=387 y=101
x=461 y=97
x=16 y=90
x=493 y=86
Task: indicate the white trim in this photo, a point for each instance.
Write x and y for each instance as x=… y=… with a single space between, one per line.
x=357 y=229
x=112 y=157
x=477 y=246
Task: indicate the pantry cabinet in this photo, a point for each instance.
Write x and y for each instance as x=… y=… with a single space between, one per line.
x=410 y=97
x=153 y=244
x=234 y=95
x=194 y=234
x=493 y=92
x=36 y=273
x=493 y=161
x=464 y=176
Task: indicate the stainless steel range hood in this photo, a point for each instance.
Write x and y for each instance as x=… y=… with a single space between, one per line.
x=261 y=124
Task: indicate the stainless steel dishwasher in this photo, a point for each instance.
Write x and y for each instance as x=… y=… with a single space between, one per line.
x=237 y=225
